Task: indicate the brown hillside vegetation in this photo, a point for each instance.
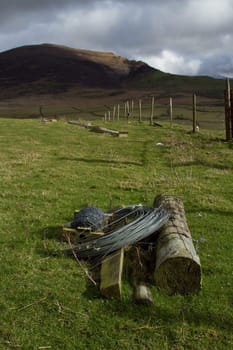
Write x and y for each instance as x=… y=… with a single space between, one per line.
x=59 y=77
x=51 y=68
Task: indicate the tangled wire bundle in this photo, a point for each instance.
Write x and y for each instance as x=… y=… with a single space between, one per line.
x=145 y=222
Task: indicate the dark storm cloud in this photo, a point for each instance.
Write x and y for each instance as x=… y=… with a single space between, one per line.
x=222 y=65
x=181 y=36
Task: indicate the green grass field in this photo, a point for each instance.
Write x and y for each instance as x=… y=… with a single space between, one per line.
x=49 y=170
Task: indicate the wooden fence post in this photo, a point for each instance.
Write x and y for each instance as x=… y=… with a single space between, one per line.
x=113 y=113
x=227 y=100
x=152 y=110
x=231 y=119
x=125 y=114
x=132 y=108
x=171 y=111
x=127 y=111
x=194 y=113
x=140 y=110
x=118 y=112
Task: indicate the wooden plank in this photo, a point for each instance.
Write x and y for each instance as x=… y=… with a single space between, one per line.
x=111 y=274
x=80 y=235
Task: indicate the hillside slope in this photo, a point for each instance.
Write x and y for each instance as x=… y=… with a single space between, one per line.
x=52 y=69
x=57 y=68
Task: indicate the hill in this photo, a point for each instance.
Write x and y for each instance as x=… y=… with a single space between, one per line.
x=52 y=69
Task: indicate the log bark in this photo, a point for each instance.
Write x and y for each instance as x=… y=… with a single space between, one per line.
x=177 y=268
x=99 y=129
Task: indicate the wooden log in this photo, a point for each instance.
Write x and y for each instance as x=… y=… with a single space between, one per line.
x=177 y=269
x=123 y=134
x=84 y=125
x=111 y=274
x=99 y=129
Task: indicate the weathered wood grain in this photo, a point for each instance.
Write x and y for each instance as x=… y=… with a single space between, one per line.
x=178 y=269
x=111 y=274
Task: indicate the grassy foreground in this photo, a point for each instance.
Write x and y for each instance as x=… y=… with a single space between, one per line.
x=49 y=170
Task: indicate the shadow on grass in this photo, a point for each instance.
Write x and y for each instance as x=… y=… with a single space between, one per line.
x=168 y=317
x=51 y=232
x=53 y=244
x=99 y=161
x=158 y=315
x=51 y=238
x=211 y=211
x=204 y=164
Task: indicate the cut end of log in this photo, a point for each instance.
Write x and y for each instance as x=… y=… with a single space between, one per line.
x=123 y=134
x=178 y=276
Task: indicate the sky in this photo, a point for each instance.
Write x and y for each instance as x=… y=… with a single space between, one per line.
x=190 y=37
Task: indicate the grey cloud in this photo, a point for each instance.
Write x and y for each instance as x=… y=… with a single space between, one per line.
x=217 y=65
x=192 y=30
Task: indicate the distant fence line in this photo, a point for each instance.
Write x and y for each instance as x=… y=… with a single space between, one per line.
x=128 y=111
